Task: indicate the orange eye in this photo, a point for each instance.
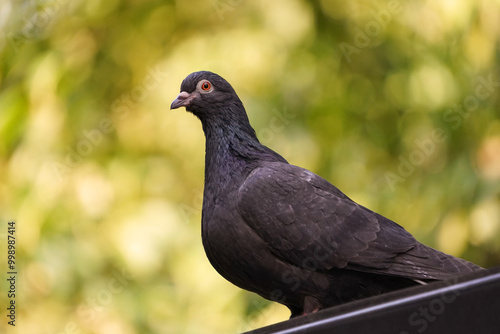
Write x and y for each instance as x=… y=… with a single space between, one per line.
x=206 y=85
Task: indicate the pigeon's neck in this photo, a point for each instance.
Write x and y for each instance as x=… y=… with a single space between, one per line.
x=232 y=151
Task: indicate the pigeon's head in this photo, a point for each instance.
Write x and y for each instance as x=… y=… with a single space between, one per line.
x=205 y=92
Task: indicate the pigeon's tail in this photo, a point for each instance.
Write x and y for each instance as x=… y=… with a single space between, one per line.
x=426 y=263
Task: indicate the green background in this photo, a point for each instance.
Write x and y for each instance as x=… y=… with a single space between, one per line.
x=395 y=102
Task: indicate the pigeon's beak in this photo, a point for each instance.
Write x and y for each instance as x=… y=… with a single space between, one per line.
x=181 y=100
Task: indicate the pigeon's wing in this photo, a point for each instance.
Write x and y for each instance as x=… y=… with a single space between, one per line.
x=310 y=223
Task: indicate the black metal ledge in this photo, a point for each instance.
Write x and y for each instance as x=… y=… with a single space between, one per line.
x=469 y=304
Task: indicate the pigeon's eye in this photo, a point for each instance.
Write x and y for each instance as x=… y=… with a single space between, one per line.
x=206 y=85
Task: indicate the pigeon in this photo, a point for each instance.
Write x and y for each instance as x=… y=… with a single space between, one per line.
x=287 y=234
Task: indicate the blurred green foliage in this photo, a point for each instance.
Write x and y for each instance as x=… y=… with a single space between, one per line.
x=397 y=103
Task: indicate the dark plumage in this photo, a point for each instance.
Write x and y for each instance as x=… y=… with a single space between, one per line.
x=284 y=232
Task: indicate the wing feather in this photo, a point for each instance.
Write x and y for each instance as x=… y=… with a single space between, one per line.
x=308 y=222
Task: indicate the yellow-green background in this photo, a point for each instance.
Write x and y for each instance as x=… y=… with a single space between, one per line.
x=131 y=203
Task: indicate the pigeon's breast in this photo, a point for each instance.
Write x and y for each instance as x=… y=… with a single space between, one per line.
x=238 y=253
